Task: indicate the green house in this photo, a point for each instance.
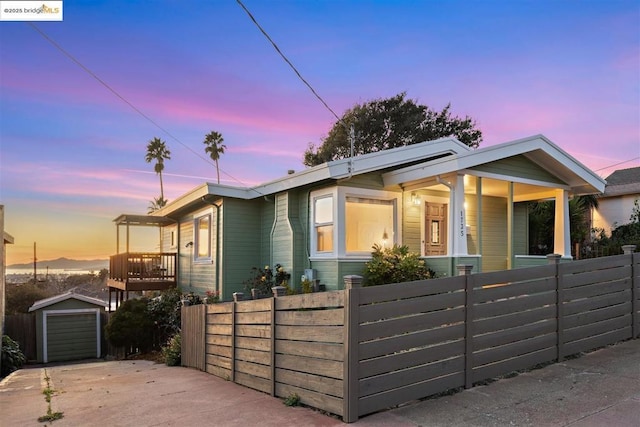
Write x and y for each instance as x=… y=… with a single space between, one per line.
x=68 y=327
x=448 y=202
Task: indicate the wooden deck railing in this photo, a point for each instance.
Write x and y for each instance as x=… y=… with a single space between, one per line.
x=141 y=266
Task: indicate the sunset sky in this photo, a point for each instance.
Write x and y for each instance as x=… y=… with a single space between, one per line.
x=72 y=152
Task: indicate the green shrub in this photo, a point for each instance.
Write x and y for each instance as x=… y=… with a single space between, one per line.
x=131 y=326
x=172 y=351
x=12 y=356
x=264 y=280
x=394 y=265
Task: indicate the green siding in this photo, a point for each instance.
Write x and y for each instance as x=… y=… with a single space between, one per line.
x=241 y=243
x=494 y=233
x=411 y=225
x=519 y=166
x=372 y=180
x=520 y=229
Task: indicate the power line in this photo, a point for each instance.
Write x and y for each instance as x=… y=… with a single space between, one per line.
x=617 y=164
x=123 y=99
x=295 y=70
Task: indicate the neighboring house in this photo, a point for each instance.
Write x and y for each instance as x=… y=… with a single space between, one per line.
x=6 y=239
x=616 y=205
x=450 y=203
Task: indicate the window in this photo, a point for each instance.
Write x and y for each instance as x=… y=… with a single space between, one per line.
x=346 y=222
x=323 y=223
x=202 y=243
x=368 y=222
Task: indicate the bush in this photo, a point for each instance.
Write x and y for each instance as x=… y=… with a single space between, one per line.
x=12 y=357
x=131 y=326
x=164 y=311
x=20 y=297
x=264 y=280
x=394 y=265
x=172 y=351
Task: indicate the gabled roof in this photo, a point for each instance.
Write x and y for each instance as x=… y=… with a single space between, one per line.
x=411 y=163
x=63 y=297
x=623 y=182
x=538 y=149
x=330 y=171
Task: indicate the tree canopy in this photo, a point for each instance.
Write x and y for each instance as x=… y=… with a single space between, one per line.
x=157 y=151
x=214 y=146
x=388 y=123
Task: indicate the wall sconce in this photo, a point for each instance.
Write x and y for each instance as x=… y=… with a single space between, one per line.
x=415 y=199
x=385 y=237
x=188 y=245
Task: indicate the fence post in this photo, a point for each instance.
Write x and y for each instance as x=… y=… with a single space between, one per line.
x=465 y=270
x=233 y=341
x=635 y=298
x=554 y=259
x=273 y=346
x=351 y=375
x=628 y=249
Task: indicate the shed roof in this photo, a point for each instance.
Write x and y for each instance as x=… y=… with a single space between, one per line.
x=63 y=297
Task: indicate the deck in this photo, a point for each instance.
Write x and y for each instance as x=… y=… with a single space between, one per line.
x=142 y=271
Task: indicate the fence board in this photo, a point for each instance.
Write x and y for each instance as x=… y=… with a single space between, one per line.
x=330 y=351
x=593 y=303
x=222 y=362
x=592 y=290
x=219 y=350
x=254 y=356
x=253 y=369
x=251 y=318
x=518 y=348
x=513 y=364
x=321 y=367
x=410 y=323
x=253 y=305
x=593 y=265
x=382 y=293
x=317 y=400
x=310 y=333
x=219 y=329
x=219 y=319
x=510 y=276
x=314 y=300
x=256 y=331
x=256 y=383
x=490 y=324
x=223 y=340
x=193 y=336
x=397 y=361
x=224 y=307
x=391 y=309
x=597 y=341
x=388 y=399
x=311 y=317
x=517 y=289
x=597 y=328
x=397 y=379
x=498 y=308
x=506 y=336
x=585 y=318
x=408 y=341
x=261 y=344
x=324 y=385
x=218 y=371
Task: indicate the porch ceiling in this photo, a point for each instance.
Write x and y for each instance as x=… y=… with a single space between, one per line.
x=142 y=220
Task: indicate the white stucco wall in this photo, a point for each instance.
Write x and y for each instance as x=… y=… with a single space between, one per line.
x=614 y=211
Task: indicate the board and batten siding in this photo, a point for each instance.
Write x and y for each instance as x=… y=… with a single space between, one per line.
x=494 y=233
x=241 y=243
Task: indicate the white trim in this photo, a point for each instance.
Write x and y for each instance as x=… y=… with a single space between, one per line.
x=515 y=179
x=196 y=259
x=63 y=297
x=69 y=312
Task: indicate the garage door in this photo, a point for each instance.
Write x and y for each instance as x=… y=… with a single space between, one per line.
x=71 y=337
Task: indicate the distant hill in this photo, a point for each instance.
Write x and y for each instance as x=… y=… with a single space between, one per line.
x=66 y=264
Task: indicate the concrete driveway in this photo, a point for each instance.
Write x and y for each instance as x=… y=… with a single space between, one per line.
x=601 y=388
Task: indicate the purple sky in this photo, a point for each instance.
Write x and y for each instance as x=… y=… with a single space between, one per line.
x=72 y=153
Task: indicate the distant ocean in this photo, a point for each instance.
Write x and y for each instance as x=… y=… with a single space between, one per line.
x=43 y=271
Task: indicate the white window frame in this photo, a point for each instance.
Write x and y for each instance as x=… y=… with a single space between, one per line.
x=197 y=259
x=340 y=195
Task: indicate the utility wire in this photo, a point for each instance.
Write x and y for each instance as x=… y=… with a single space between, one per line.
x=295 y=70
x=626 y=161
x=123 y=99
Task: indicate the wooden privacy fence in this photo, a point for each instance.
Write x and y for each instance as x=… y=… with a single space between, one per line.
x=361 y=350
x=21 y=328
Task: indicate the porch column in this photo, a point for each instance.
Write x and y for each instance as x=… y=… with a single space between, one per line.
x=459 y=237
x=561 y=234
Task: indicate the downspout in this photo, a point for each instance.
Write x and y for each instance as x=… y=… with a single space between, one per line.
x=217 y=206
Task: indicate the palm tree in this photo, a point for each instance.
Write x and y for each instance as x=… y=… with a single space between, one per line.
x=214 y=147
x=156 y=204
x=157 y=150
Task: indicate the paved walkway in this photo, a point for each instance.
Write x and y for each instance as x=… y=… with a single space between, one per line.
x=601 y=388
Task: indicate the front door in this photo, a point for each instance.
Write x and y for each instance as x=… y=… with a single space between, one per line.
x=435 y=222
